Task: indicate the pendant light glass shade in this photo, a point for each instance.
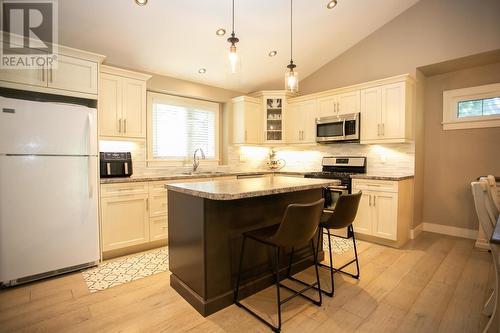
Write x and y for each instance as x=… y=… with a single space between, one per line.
x=291 y=80
x=234 y=59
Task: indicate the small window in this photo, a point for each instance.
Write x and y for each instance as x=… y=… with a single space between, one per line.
x=178 y=126
x=479 y=107
x=473 y=107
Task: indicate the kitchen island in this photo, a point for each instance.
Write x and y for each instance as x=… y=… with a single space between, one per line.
x=206 y=221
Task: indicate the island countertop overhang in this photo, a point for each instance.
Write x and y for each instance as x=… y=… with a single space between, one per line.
x=248 y=188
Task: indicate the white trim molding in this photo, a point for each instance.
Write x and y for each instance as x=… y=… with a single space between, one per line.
x=450 y=231
x=451 y=98
x=415 y=232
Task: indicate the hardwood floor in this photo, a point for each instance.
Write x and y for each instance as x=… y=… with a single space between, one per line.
x=434 y=284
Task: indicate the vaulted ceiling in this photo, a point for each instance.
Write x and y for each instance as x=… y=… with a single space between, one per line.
x=177 y=37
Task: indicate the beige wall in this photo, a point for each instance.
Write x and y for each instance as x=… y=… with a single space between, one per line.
x=455 y=158
x=429 y=32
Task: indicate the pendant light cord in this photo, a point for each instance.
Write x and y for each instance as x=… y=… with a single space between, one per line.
x=233 y=19
x=291 y=31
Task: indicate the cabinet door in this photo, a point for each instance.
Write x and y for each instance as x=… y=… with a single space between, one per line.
x=159 y=228
x=125 y=221
x=309 y=113
x=393 y=111
x=33 y=77
x=134 y=108
x=253 y=123
x=385 y=224
x=327 y=106
x=74 y=74
x=294 y=124
x=363 y=221
x=348 y=102
x=371 y=105
x=110 y=105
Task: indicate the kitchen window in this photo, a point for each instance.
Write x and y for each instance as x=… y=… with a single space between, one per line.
x=473 y=107
x=178 y=126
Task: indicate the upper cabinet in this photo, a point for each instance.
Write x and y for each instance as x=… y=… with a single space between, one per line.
x=74 y=74
x=301 y=122
x=338 y=104
x=387 y=113
x=247 y=120
x=122 y=103
x=274 y=113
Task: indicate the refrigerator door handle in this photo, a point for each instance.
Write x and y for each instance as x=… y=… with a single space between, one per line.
x=90 y=173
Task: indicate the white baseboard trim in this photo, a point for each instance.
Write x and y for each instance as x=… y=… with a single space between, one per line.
x=416 y=231
x=450 y=231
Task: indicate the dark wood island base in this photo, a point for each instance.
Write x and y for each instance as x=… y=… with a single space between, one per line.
x=205 y=239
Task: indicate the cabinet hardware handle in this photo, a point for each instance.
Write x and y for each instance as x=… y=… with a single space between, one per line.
x=50 y=74
x=43 y=74
x=119 y=125
x=338 y=107
x=378 y=129
x=383 y=129
x=124 y=125
x=147 y=204
x=370 y=203
x=374 y=201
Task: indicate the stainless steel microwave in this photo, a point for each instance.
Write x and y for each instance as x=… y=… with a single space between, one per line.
x=342 y=128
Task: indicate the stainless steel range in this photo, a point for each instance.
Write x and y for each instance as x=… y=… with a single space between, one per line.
x=341 y=168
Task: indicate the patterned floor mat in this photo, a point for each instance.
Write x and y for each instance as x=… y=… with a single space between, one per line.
x=125 y=269
x=339 y=244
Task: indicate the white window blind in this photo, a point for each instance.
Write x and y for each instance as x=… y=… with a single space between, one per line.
x=180 y=126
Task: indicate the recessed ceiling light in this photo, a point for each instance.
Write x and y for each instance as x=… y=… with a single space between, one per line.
x=331 y=4
x=273 y=53
x=220 y=32
x=141 y=2
x=202 y=70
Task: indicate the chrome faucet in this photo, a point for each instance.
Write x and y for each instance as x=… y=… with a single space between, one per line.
x=196 y=161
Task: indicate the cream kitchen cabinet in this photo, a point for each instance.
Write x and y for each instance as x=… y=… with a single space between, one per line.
x=387 y=113
x=122 y=103
x=124 y=215
x=74 y=74
x=247 y=119
x=338 y=104
x=385 y=209
x=301 y=122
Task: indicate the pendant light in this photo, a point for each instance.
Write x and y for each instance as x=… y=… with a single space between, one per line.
x=234 y=59
x=291 y=75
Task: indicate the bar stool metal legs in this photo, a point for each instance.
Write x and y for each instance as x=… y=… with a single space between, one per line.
x=340 y=269
x=316 y=285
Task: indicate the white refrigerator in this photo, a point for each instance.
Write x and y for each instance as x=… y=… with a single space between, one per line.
x=48 y=189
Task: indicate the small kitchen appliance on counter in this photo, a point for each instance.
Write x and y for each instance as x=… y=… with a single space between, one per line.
x=115 y=164
x=341 y=168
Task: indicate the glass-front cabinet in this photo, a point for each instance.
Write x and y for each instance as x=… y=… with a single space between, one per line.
x=274 y=119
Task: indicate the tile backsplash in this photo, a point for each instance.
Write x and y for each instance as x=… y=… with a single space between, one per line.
x=383 y=159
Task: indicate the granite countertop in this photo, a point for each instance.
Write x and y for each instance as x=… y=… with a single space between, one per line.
x=247 y=188
x=381 y=176
x=191 y=176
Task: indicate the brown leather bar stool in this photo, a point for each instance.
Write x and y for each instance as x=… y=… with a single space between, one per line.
x=298 y=226
x=342 y=216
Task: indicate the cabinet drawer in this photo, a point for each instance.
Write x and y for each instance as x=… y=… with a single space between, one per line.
x=374 y=185
x=110 y=190
x=158 y=228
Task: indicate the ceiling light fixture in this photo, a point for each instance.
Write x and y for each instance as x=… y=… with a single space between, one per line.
x=141 y=2
x=202 y=70
x=234 y=59
x=220 y=32
x=291 y=76
x=273 y=53
x=331 y=4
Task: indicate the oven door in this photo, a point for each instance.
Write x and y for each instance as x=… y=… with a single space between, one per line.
x=334 y=192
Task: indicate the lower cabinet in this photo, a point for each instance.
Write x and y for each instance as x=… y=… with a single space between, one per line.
x=124 y=220
x=385 y=210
